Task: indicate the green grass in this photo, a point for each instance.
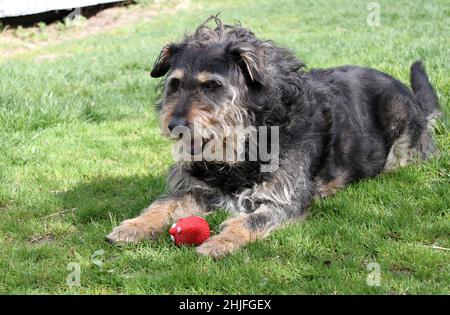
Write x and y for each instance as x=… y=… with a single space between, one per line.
x=78 y=135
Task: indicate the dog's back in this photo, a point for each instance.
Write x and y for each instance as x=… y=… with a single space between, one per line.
x=378 y=121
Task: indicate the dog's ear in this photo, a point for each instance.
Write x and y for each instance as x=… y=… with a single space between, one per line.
x=251 y=61
x=162 y=63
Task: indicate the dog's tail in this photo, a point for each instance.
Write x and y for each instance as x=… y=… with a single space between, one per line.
x=424 y=91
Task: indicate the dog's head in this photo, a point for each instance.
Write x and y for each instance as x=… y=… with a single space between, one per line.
x=212 y=76
x=207 y=79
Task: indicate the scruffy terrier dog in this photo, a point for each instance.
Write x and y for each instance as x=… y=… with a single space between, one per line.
x=335 y=126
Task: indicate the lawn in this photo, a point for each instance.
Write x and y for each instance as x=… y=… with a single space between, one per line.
x=81 y=150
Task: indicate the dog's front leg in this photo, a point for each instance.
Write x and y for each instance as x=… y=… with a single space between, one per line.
x=285 y=198
x=249 y=227
x=243 y=229
x=155 y=218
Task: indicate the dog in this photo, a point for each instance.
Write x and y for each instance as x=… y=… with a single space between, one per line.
x=335 y=126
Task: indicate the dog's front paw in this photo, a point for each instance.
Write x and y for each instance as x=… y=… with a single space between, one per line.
x=127 y=232
x=217 y=247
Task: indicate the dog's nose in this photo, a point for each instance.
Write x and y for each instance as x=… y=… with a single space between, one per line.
x=177 y=122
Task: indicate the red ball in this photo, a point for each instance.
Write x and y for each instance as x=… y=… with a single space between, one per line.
x=191 y=230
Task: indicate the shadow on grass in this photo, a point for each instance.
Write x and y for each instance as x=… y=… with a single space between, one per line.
x=101 y=198
x=108 y=201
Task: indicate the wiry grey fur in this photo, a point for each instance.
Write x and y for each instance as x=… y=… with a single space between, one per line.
x=336 y=125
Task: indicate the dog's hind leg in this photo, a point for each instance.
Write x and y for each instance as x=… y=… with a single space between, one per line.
x=429 y=108
x=400 y=154
x=329 y=187
x=418 y=117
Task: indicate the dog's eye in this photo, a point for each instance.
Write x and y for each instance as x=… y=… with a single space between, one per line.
x=211 y=85
x=174 y=84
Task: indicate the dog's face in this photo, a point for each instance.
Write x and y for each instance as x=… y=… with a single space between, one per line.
x=206 y=84
x=202 y=87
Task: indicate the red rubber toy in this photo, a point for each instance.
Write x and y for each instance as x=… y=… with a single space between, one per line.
x=191 y=230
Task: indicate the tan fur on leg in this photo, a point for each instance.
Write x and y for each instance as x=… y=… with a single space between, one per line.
x=234 y=235
x=331 y=187
x=154 y=219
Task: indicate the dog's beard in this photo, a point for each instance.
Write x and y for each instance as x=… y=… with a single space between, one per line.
x=215 y=135
x=226 y=147
x=187 y=146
